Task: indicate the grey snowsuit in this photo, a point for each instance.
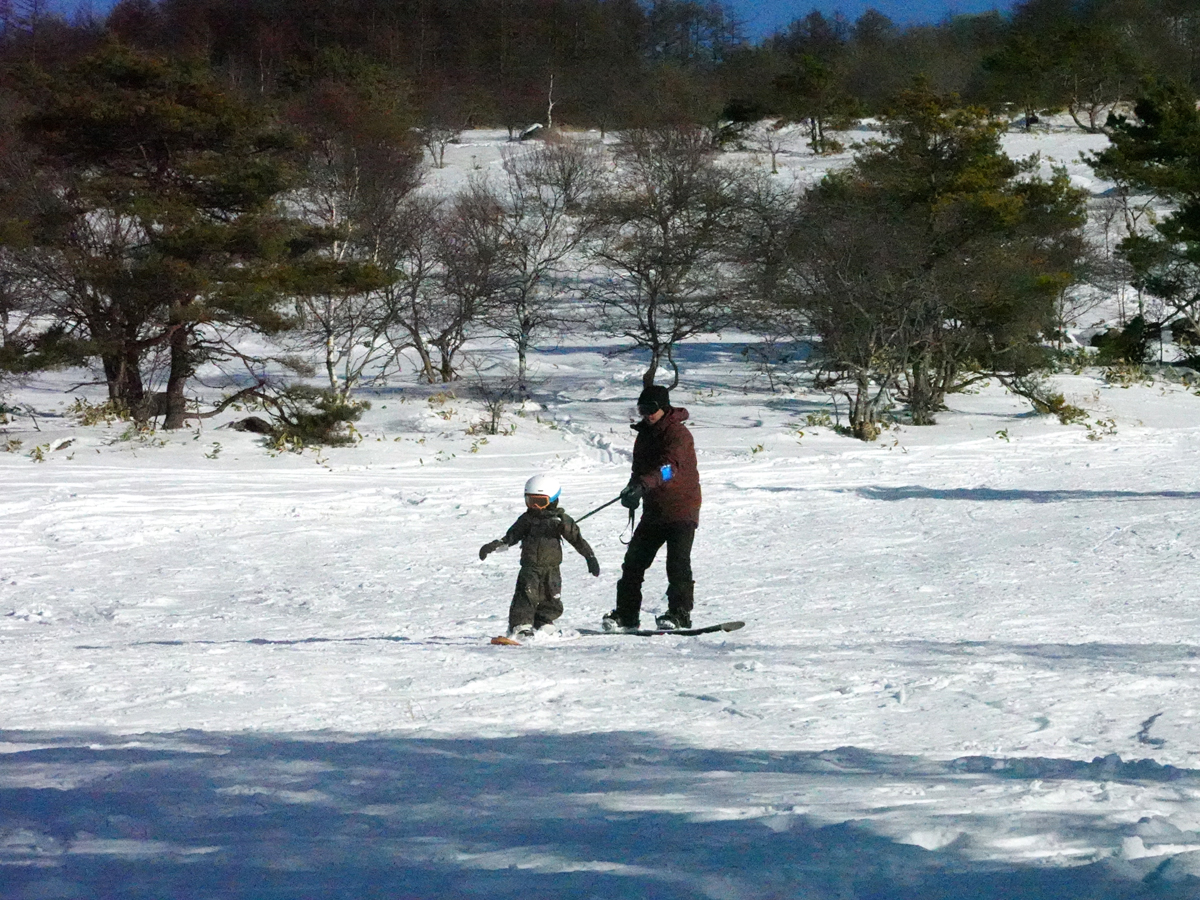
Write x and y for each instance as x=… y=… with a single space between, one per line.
x=537 y=599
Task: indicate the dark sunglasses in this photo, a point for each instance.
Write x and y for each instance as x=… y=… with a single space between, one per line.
x=648 y=408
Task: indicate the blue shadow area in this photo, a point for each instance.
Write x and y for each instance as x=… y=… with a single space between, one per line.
x=980 y=495
x=1123 y=657
x=692 y=352
x=200 y=815
x=291 y=642
x=1026 y=496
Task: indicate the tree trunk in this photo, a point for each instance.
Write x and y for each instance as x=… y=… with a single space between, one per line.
x=862 y=410
x=922 y=399
x=522 y=360
x=175 y=412
x=947 y=375
x=428 y=373
x=330 y=360
x=119 y=357
x=1091 y=127
x=446 y=364
x=652 y=370
x=124 y=379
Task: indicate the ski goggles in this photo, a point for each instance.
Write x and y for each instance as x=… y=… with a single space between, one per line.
x=648 y=408
x=537 y=501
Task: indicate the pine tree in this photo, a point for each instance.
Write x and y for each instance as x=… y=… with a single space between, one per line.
x=155 y=213
x=1157 y=152
x=933 y=255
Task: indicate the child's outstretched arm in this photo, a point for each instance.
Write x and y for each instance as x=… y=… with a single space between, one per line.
x=512 y=536
x=574 y=537
x=491 y=547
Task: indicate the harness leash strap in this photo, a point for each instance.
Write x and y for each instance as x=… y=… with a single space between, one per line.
x=631 y=529
x=598 y=508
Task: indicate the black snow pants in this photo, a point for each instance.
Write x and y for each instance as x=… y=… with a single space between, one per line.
x=643 y=546
x=537 y=601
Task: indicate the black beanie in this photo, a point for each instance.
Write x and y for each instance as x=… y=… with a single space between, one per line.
x=656 y=394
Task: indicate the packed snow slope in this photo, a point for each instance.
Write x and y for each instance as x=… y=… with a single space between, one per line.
x=970 y=665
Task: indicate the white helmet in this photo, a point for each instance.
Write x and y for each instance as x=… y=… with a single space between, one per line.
x=543 y=486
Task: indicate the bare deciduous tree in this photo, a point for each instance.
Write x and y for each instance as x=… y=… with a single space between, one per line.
x=664 y=233
x=538 y=216
x=858 y=294
x=496 y=387
x=440 y=261
x=436 y=137
x=404 y=248
x=767 y=137
x=423 y=318
x=359 y=176
x=441 y=126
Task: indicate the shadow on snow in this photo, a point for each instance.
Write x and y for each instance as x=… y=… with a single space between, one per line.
x=981 y=494
x=290 y=642
x=916 y=492
x=1130 y=657
x=202 y=815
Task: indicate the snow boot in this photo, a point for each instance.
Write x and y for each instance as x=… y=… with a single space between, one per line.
x=680 y=597
x=521 y=632
x=627 y=615
x=673 y=619
x=615 y=621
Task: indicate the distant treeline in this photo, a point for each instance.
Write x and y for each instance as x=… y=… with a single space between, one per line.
x=622 y=63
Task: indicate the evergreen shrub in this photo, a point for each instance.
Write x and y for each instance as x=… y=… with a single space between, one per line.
x=309 y=415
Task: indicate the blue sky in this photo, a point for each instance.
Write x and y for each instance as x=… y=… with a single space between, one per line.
x=761 y=17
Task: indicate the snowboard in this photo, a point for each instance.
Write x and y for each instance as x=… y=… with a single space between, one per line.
x=503 y=641
x=681 y=632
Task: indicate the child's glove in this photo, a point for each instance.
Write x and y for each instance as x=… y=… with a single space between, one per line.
x=490 y=547
x=593 y=566
x=631 y=497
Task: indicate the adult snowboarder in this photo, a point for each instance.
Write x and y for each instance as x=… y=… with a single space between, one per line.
x=664 y=473
x=537 y=600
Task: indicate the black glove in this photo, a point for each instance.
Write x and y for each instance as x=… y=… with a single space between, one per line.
x=490 y=547
x=593 y=566
x=631 y=497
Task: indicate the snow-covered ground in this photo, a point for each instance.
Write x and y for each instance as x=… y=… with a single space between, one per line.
x=971 y=664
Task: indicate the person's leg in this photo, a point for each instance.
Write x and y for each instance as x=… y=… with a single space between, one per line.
x=525 y=599
x=680 y=586
x=549 y=606
x=638 y=556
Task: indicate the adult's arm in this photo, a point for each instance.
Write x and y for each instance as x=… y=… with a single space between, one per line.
x=678 y=449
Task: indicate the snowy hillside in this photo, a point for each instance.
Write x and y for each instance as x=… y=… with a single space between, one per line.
x=971 y=664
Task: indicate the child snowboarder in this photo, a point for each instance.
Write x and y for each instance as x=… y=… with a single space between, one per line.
x=537 y=600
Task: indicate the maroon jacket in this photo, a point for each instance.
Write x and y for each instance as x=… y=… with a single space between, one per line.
x=667 y=443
